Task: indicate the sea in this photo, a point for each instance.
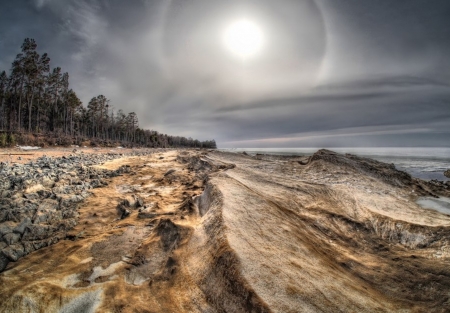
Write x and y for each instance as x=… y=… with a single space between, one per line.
x=425 y=163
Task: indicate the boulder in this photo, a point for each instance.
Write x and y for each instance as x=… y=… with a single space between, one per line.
x=38 y=232
x=48 y=205
x=169 y=233
x=123 y=211
x=20 y=229
x=14 y=252
x=31 y=196
x=7 y=227
x=48 y=182
x=447 y=173
x=3 y=261
x=11 y=238
x=139 y=202
x=5 y=184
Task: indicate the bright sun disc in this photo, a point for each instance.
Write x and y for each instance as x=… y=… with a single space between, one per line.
x=243 y=38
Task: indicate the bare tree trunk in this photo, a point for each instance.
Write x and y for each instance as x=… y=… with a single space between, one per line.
x=20 y=104
x=30 y=106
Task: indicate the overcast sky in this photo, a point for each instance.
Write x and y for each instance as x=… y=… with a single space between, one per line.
x=329 y=73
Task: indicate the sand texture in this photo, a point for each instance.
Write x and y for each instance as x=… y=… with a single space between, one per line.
x=199 y=231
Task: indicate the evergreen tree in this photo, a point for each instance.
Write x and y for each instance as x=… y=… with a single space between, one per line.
x=33 y=98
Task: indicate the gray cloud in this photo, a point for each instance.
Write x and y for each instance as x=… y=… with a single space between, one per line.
x=331 y=72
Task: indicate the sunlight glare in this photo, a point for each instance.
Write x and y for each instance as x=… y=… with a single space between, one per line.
x=243 y=38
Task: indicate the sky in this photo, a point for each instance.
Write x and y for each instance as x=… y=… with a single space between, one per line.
x=328 y=73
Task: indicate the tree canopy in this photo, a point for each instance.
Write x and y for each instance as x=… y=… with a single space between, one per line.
x=37 y=99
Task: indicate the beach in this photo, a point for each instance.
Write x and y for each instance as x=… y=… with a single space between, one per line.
x=214 y=231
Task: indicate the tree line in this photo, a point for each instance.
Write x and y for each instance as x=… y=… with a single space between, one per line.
x=36 y=99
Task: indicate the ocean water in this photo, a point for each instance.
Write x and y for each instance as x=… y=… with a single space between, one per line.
x=441 y=204
x=424 y=163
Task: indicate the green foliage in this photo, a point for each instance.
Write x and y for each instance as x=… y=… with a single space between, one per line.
x=11 y=139
x=3 y=140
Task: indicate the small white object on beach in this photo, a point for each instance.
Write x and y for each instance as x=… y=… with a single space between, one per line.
x=29 y=147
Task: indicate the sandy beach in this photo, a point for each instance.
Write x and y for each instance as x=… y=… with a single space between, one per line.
x=209 y=231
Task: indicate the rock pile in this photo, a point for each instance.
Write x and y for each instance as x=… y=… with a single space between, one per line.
x=39 y=200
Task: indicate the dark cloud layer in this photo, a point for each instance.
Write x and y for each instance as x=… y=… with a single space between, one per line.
x=331 y=73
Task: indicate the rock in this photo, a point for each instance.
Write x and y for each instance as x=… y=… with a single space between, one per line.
x=169 y=172
x=31 y=196
x=447 y=173
x=48 y=182
x=14 y=252
x=5 y=184
x=169 y=233
x=48 y=205
x=38 y=232
x=11 y=238
x=139 y=202
x=123 y=211
x=145 y=214
x=96 y=183
x=7 y=227
x=20 y=229
x=28 y=247
x=2 y=245
x=3 y=261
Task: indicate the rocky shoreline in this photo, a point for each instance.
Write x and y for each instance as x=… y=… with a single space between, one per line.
x=39 y=200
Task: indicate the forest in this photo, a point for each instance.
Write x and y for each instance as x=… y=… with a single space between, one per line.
x=38 y=107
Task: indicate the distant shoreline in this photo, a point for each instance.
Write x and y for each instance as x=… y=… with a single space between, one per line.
x=422 y=162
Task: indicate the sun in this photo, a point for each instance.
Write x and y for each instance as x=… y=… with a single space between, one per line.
x=243 y=38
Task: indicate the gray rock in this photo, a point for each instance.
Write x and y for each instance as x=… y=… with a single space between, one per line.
x=48 y=205
x=28 y=247
x=169 y=172
x=7 y=227
x=20 y=229
x=11 y=238
x=139 y=202
x=144 y=215
x=447 y=173
x=2 y=245
x=123 y=211
x=3 y=261
x=31 y=196
x=14 y=252
x=48 y=182
x=38 y=232
x=5 y=184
